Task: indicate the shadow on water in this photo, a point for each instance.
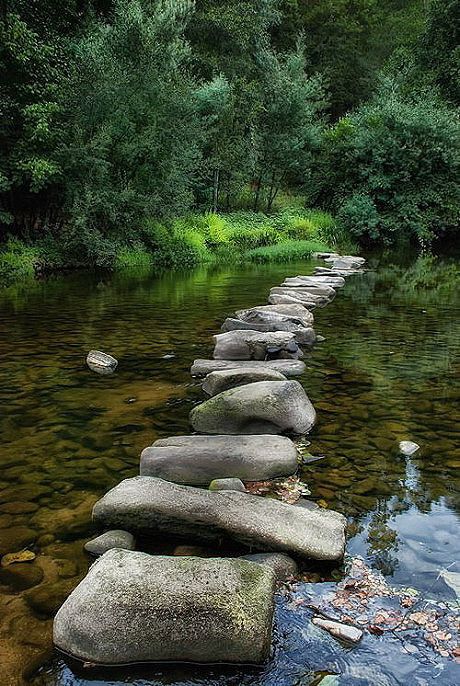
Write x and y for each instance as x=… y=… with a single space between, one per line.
x=386 y=372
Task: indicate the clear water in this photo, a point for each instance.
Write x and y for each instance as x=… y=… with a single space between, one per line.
x=386 y=372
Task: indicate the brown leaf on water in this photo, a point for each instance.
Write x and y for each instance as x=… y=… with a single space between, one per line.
x=22 y=556
x=374 y=629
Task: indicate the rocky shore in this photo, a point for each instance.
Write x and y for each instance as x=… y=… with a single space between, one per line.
x=196 y=487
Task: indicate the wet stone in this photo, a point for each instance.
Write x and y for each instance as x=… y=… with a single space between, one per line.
x=116 y=538
x=21 y=576
x=16 y=538
x=18 y=507
x=227 y=485
x=46 y=599
x=283 y=565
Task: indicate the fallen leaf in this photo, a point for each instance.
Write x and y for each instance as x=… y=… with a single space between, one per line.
x=22 y=556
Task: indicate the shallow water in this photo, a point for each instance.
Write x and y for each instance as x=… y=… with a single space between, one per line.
x=386 y=372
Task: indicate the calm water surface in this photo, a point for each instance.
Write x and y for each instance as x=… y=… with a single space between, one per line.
x=386 y=372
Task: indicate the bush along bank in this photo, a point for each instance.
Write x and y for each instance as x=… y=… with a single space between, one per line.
x=182 y=242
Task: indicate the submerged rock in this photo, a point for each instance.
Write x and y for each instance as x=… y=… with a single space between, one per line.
x=21 y=576
x=197 y=460
x=255 y=345
x=219 y=381
x=101 y=363
x=283 y=565
x=116 y=538
x=227 y=484
x=264 y=407
x=286 y=367
x=133 y=607
x=344 y=632
x=152 y=506
x=295 y=311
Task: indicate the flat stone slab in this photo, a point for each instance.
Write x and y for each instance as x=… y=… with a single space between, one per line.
x=222 y=380
x=198 y=460
x=202 y=367
x=110 y=539
x=332 y=281
x=290 y=299
x=283 y=565
x=316 y=289
x=264 y=407
x=296 y=312
x=255 y=345
x=152 y=506
x=275 y=323
x=302 y=294
x=133 y=607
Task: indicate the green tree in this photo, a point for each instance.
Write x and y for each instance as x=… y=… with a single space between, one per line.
x=132 y=112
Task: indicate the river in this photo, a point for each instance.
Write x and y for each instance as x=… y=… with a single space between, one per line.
x=385 y=373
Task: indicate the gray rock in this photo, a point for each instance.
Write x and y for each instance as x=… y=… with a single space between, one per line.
x=264 y=407
x=331 y=281
x=283 y=565
x=227 y=485
x=316 y=289
x=346 y=262
x=290 y=299
x=295 y=311
x=101 y=363
x=271 y=322
x=197 y=460
x=152 y=506
x=325 y=255
x=255 y=345
x=111 y=539
x=222 y=380
x=286 y=367
x=302 y=295
x=133 y=607
x=307 y=504
x=343 y=273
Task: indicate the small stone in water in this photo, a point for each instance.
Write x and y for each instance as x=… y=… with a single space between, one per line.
x=100 y=362
x=168 y=356
x=408 y=447
x=343 y=631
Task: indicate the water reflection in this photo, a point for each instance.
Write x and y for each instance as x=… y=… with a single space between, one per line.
x=385 y=373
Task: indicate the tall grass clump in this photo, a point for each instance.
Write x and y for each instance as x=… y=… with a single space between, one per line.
x=288 y=251
x=17 y=260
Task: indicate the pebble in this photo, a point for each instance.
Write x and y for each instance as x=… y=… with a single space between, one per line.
x=408 y=447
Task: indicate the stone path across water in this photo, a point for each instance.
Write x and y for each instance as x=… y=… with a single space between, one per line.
x=213 y=609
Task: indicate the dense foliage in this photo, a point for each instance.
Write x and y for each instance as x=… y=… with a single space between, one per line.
x=117 y=116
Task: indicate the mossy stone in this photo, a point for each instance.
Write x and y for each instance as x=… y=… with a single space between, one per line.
x=48 y=598
x=18 y=507
x=20 y=576
x=16 y=538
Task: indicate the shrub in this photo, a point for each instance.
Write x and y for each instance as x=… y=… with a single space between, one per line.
x=391 y=169
x=17 y=260
x=133 y=257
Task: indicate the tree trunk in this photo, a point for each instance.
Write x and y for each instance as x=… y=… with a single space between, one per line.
x=215 y=191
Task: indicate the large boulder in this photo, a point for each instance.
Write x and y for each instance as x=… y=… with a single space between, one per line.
x=283 y=565
x=222 y=380
x=133 y=607
x=264 y=407
x=151 y=506
x=256 y=345
x=346 y=262
x=296 y=312
x=198 y=460
x=286 y=367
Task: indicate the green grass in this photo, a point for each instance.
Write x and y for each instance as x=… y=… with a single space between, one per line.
x=293 y=233
x=288 y=251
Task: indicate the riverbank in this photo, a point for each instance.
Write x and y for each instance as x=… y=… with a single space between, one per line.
x=291 y=234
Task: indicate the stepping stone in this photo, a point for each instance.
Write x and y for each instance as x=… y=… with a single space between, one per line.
x=324 y=271
x=255 y=345
x=135 y=608
x=332 y=281
x=296 y=312
x=270 y=407
x=323 y=290
x=202 y=367
x=222 y=380
x=197 y=460
x=290 y=299
x=272 y=322
x=153 y=506
x=111 y=539
x=302 y=294
x=101 y=363
x=283 y=565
